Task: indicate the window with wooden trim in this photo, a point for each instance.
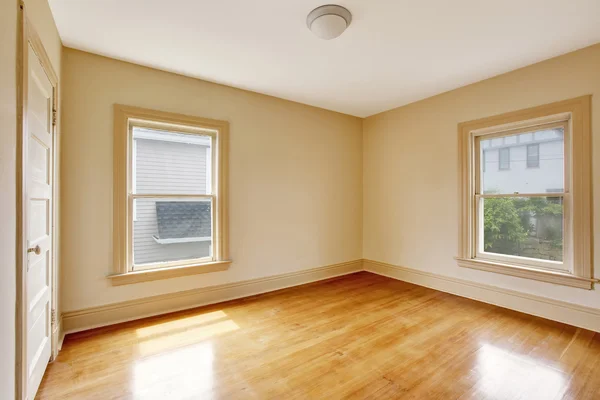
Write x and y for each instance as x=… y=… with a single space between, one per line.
x=170 y=197
x=531 y=216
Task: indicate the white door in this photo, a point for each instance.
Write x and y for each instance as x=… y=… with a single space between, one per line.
x=38 y=221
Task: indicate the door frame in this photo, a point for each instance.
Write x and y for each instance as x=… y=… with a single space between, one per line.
x=27 y=35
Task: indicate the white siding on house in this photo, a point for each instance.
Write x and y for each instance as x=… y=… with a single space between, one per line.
x=169 y=167
x=546 y=178
x=164 y=167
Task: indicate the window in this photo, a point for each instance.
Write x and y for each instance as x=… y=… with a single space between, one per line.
x=529 y=219
x=533 y=155
x=483 y=159
x=170 y=216
x=504 y=159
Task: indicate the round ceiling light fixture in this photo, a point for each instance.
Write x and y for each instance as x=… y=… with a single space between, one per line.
x=328 y=22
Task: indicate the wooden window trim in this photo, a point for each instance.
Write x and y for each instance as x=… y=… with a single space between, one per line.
x=122 y=252
x=578 y=112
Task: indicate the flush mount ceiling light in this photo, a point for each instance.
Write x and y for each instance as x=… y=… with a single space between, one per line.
x=328 y=22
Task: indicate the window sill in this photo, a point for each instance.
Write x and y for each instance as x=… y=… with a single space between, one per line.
x=167 y=273
x=182 y=240
x=556 y=277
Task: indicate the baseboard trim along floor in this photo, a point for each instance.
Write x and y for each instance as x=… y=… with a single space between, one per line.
x=95 y=317
x=568 y=313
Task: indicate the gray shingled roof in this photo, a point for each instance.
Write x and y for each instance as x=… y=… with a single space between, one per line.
x=183 y=219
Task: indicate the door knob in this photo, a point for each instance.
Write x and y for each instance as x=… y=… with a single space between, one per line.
x=37 y=250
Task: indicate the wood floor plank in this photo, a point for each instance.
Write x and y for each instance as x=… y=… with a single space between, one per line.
x=361 y=336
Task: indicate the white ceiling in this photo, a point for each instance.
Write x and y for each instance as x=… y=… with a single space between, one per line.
x=395 y=52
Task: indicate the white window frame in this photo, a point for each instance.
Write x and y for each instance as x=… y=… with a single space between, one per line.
x=479 y=197
x=574 y=116
x=204 y=138
x=134 y=176
x=125 y=118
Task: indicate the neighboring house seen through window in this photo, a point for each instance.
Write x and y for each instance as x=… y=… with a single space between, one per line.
x=174 y=224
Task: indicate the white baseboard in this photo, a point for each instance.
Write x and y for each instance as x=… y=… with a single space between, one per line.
x=94 y=317
x=61 y=336
x=572 y=314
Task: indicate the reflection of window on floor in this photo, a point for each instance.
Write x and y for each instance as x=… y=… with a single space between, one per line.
x=183 y=221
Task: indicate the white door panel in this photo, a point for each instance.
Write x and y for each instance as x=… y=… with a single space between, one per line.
x=38 y=198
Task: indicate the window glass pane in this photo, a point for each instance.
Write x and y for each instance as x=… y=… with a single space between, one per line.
x=171 y=229
x=170 y=163
x=533 y=155
x=504 y=155
x=530 y=162
x=529 y=227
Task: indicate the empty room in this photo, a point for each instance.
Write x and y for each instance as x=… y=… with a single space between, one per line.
x=295 y=199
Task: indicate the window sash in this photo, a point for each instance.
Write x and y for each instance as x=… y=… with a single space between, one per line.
x=164 y=264
x=477 y=210
x=132 y=196
x=552 y=265
x=476 y=149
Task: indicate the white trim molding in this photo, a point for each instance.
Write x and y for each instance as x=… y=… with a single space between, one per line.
x=61 y=335
x=95 y=317
x=556 y=310
x=556 y=277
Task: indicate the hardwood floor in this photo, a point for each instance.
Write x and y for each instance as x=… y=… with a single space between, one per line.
x=361 y=336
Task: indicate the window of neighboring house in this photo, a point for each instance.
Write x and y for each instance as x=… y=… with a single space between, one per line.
x=483 y=160
x=533 y=155
x=531 y=224
x=504 y=157
x=170 y=197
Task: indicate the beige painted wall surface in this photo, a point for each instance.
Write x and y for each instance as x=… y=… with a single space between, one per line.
x=8 y=143
x=41 y=18
x=411 y=169
x=295 y=178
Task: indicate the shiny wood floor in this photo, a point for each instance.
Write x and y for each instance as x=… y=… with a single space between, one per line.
x=361 y=336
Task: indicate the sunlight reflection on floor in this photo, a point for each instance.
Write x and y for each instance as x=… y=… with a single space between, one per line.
x=172 y=340
x=508 y=375
x=179 y=324
x=178 y=357
x=183 y=373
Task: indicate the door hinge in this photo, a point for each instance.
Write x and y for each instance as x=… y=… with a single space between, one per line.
x=53 y=117
x=53 y=317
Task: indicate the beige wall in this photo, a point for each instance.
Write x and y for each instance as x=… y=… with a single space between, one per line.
x=8 y=143
x=410 y=207
x=295 y=177
x=40 y=16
